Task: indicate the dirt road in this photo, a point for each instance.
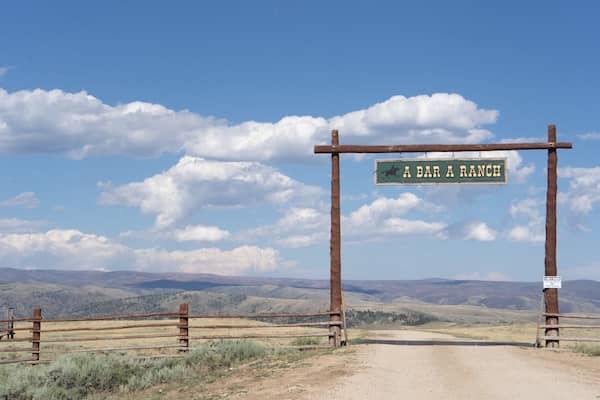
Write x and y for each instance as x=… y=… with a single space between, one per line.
x=377 y=372
x=462 y=372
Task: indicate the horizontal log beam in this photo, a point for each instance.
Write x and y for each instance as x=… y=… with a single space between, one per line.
x=114 y=317
x=576 y=316
x=444 y=148
x=306 y=324
x=107 y=338
x=110 y=328
x=108 y=349
x=248 y=316
x=569 y=339
x=259 y=336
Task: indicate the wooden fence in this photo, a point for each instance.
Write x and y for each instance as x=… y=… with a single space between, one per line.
x=51 y=337
x=6 y=329
x=569 y=326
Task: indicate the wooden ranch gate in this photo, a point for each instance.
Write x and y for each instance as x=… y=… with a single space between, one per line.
x=335 y=149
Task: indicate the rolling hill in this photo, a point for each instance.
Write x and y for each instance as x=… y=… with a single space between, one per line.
x=85 y=293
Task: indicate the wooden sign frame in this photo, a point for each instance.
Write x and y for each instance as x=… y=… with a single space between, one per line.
x=335 y=149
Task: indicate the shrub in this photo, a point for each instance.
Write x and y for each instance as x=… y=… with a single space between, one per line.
x=74 y=377
x=306 y=341
x=589 y=349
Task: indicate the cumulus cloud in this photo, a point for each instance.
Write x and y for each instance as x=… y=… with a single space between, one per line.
x=382 y=219
x=439 y=117
x=469 y=230
x=378 y=220
x=298 y=227
x=25 y=199
x=200 y=233
x=72 y=249
x=194 y=183
x=529 y=210
x=584 y=189
x=68 y=249
x=211 y=260
x=80 y=125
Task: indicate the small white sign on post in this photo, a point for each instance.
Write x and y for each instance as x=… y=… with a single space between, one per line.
x=552 y=282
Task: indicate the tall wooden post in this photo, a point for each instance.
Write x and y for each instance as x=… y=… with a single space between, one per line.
x=36 y=335
x=335 y=288
x=184 y=338
x=551 y=295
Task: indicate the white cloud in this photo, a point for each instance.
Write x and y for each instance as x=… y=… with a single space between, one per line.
x=529 y=210
x=189 y=233
x=4 y=71
x=195 y=183
x=440 y=117
x=378 y=220
x=480 y=231
x=298 y=241
x=72 y=249
x=584 y=189
x=589 y=136
x=469 y=230
x=211 y=260
x=298 y=227
x=384 y=207
x=381 y=219
x=15 y=225
x=25 y=199
x=66 y=249
x=200 y=233
x=80 y=125
x=525 y=233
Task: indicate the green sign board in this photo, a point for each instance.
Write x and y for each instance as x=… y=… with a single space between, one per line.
x=424 y=171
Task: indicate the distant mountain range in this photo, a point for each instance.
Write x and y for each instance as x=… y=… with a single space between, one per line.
x=62 y=293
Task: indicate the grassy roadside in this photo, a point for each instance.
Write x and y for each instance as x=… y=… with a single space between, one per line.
x=524 y=333
x=94 y=377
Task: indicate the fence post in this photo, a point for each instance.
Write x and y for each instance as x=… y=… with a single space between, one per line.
x=184 y=340
x=36 y=335
x=10 y=324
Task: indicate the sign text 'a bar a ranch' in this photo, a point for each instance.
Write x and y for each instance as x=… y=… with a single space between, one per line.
x=440 y=171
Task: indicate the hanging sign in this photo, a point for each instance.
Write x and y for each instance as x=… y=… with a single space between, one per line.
x=424 y=171
x=552 y=282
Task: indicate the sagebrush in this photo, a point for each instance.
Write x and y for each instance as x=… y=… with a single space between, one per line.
x=75 y=377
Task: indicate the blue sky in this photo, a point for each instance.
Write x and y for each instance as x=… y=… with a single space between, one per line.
x=178 y=137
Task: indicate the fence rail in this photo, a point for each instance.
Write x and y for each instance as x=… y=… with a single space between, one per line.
x=145 y=332
x=555 y=328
